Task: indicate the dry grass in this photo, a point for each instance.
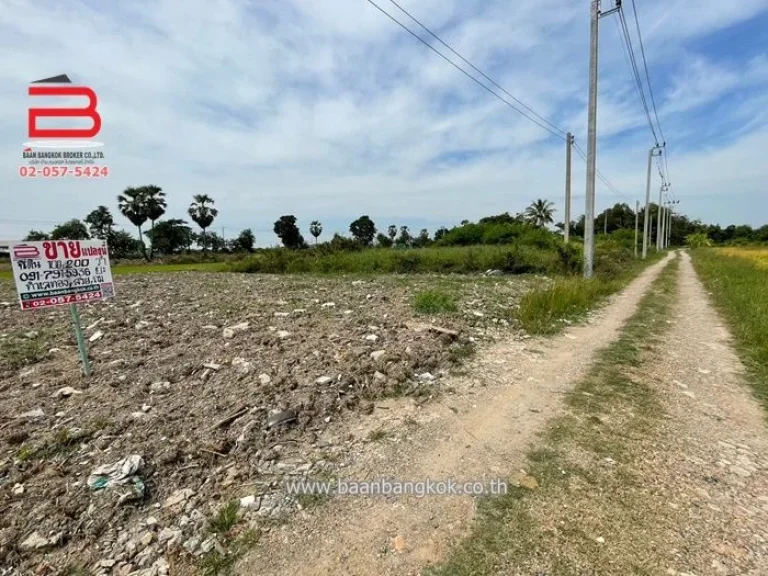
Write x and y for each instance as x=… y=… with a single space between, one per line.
x=758 y=256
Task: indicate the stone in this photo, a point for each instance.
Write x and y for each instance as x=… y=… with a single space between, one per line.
x=178 y=497
x=18 y=489
x=379 y=377
x=146 y=539
x=34 y=542
x=371 y=337
x=264 y=379
x=281 y=418
x=283 y=334
x=426 y=377
x=33 y=414
x=600 y=540
x=248 y=501
x=107 y=563
x=207 y=545
x=96 y=336
x=399 y=543
x=169 y=536
x=529 y=482
x=229 y=332
x=66 y=392
x=377 y=354
x=160 y=387
x=328 y=305
x=477 y=313
x=281 y=314
x=212 y=366
x=324 y=380
x=242 y=365
x=191 y=545
x=151 y=522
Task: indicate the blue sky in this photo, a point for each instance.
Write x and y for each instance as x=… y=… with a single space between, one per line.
x=327 y=110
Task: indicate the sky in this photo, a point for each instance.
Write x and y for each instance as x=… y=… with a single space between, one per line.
x=327 y=110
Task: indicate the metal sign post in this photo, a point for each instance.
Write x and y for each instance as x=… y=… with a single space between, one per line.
x=82 y=347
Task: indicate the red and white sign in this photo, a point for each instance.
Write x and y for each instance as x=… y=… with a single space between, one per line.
x=57 y=272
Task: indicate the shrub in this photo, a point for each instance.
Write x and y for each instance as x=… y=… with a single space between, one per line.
x=433 y=302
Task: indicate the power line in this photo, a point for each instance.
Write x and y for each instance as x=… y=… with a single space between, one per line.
x=476 y=69
x=636 y=73
x=647 y=76
x=460 y=69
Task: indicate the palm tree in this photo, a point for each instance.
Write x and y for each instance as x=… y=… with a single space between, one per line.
x=154 y=200
x=392 y=232
x=540 y=212
x=316 y=228
x=201 y=212
x=132 y=205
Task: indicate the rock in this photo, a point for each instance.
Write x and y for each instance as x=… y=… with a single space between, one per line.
x=65 y=392
x=248 y=501
x=178 y=497
x=33 y=414
x=191 y=545
x=169 y=536
x=160 y=387
x=281 y=314
x=328 y=305
x=229 y=332
x=477 y=313
x=264 y=379
x=96 y=336
x=151 y=522
x=371 y=337
x=282 y=418
x=34 y=542
x=600 y=540
x=212 y=366
x=399 y=544
x=208 y=545
x=107 y=563
x=18 y=489
x=377 y=354
x=143 y=324
x=283 y=334
x=529 y=482
x=493 y=272
x=379 y=377
x=242 y=365
x=146 y=539
x=426 y=377
x=324 y=380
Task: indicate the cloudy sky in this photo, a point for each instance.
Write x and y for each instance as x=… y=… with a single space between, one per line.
x=326 y=109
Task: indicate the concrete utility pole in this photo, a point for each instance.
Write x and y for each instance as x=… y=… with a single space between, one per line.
x=660 y=220
x=637 y=223
x=646 y=219
x=664 y=226
x=589 y=211
x=567 y=229
x=605 y=222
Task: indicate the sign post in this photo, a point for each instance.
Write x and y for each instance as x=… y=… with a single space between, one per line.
x=81 y=345
x=55 y=273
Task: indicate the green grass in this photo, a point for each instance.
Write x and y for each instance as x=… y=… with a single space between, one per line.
x=544 y=311
x=226 y=518
x=17 y=350
x=507 y=537
x=739 y=288
x=434 y=302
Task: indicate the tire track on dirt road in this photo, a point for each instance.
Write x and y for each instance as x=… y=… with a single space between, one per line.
x=510 y=392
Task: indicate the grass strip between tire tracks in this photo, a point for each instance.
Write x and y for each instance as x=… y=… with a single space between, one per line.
x=540 y=528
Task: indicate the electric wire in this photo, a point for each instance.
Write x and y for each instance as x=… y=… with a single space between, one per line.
x=647 y=75
x=467 y=74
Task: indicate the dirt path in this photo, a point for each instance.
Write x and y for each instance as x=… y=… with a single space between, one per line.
x=712 y=463
x=481 y=433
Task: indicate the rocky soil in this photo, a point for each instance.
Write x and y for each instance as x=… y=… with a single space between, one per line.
x=207 y=389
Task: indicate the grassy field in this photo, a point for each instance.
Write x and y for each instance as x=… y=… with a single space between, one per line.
x=738 y=281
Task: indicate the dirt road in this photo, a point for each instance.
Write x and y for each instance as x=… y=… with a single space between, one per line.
x=480 y=434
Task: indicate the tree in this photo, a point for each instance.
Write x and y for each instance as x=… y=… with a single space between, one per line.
x=363 y=230
x=405 y=237
x=132 y=206
x=203 y=214
x=122 y=244
x=71 y=230
x=36 y=236
x=383 y=240
x=100 y=223
x=464 y=222
x=286 y=229
x=154 y=200
x=422 y=239
x=244 y=242
x=540 y=212
x=698 y=240
x=170 y=236
x=392 y=232
x=440 y=232
x=316 y=228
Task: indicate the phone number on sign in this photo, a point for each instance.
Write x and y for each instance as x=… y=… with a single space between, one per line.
x=63 y=171
x=56 y=300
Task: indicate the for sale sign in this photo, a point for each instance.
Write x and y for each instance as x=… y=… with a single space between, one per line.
x=56 y=272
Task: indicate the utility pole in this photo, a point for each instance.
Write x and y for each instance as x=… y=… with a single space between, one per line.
x=660 y=220
x=664 y=225
x=637 y=223
x=646 y=218
x=605 y=222
x=568 y=144
x=589 y=212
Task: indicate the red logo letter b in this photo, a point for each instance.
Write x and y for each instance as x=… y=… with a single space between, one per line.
x=87 y=112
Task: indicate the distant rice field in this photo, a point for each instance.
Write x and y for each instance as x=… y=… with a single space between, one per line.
x=758 y=256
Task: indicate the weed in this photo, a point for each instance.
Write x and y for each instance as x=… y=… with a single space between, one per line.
x=434 y=302
x=17 y=351
x=377 y=435
x=226 y=518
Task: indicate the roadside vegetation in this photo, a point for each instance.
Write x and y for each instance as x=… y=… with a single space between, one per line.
x=578 y=489
x=737 y=278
